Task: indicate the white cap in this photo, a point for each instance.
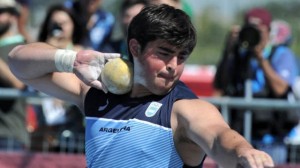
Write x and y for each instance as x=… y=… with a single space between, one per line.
x=8 y=4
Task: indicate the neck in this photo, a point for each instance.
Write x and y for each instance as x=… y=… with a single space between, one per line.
x=7 y=34
x=139 y=90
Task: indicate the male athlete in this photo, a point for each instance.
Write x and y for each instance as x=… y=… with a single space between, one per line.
x=160 y=122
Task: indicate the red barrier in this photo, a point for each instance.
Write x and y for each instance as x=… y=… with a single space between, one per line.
x=41 y=160
x=57 y=160
x=199 y=79
x=53 y=160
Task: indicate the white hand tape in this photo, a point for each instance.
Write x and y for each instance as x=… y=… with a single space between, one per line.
x=64 y=60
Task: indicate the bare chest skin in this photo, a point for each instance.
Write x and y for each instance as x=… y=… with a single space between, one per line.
x=190 y=153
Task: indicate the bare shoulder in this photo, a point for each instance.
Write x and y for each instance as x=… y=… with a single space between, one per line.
x=198 y=121
x=197 y=114
x=194 y=107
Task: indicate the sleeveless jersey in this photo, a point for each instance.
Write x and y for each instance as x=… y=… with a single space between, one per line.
x=132 y=132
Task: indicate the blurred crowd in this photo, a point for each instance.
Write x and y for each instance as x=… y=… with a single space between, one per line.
x=257 y=62
x=257 y=52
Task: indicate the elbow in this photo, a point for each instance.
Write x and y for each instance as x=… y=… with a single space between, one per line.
x=13 y=53
x=13 y=61
x=281 y=91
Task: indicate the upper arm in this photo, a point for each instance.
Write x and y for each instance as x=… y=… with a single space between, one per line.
x=204 y=125
x=201 y=121
x=285 y=65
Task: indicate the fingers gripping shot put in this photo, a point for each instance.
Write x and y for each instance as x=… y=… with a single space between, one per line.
x=117 y=76
x=157 y=121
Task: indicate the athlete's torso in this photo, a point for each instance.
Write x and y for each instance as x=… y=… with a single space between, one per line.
x=131 y=132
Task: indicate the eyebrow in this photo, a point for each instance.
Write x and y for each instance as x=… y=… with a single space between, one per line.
x=184 y=52
x=166 y=49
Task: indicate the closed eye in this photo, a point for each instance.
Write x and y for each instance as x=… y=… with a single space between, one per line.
x=165 y=54
x=183 y=57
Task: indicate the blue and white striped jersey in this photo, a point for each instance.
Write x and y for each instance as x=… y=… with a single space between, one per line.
x=131 y=132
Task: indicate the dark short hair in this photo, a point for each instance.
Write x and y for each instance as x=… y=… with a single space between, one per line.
x=11 y=10
x=163 y=22
x=44 y=31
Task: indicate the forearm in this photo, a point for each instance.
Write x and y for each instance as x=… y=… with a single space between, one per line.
x=277 y=84
x=228 y=146
x=23 y=58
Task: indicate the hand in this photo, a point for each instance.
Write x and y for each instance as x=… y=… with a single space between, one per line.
x=88 y=66
x=258 y=52
x=264 y=35
x=252 y=158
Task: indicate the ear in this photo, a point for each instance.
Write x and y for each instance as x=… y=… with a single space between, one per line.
x=134 y=47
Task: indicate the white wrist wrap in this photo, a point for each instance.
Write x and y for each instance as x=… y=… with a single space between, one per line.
x=64 y=60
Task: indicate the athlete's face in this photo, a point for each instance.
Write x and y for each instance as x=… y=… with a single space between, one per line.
x=159 y=66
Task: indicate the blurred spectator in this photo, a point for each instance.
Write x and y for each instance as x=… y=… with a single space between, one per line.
x=281 y=33
x=94 y=21
x=61 y=30
x=250 y=56
x=24 y=9
x=129 y=8
x=13 y=133
x=223 y=84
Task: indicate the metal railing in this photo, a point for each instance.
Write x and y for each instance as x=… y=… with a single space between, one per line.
x=227 y=103
x=63 y=141
x=224 y=103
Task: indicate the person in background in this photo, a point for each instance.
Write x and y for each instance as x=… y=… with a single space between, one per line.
x=159 y=109
x=59 y=29
x=129 y=8
x=250 y=57
x=13 y=132
x=281 y=33
x=278 y=73
x=24 y=9
x=95 y=22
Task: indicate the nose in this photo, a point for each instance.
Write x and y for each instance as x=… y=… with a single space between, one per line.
x=172 y=64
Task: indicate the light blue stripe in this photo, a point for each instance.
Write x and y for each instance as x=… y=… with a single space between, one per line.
x=145 y=145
